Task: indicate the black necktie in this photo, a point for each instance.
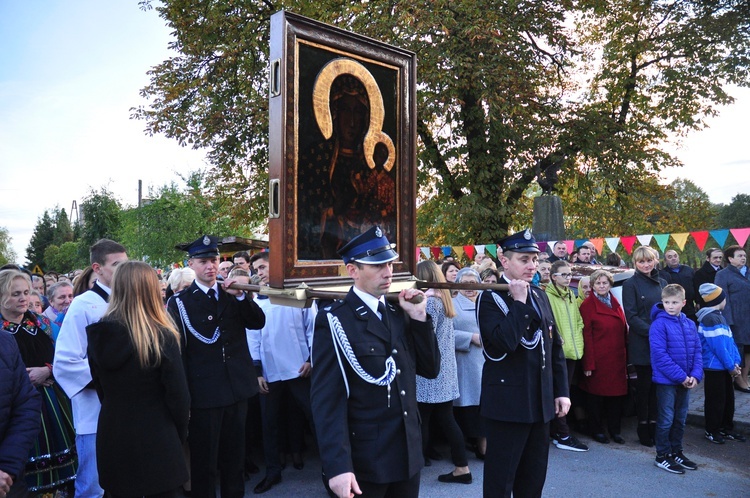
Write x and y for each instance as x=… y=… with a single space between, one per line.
x=383 y=314
x=212 y=294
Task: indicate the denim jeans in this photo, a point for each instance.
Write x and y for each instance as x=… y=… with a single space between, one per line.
x=87 y=479
x=672 y=406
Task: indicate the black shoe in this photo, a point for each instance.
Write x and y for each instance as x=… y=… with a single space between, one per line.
x=480 y=456
x=266 y=484
x=644 y=436
x=715 y=438
x=741 y=389
x=680 y=459
x=666 y=463
x=733 y=436
x=450 y=477
x=618 y=439
x=601 y=438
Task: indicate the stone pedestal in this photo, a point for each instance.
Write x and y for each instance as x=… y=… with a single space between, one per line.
x=548 y=218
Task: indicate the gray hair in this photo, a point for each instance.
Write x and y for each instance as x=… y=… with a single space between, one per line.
x=54 y=287
x=467 y=271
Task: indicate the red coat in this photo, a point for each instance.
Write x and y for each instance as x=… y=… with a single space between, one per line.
x=605 y=333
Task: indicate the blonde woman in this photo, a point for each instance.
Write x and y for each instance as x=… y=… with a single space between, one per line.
x=134 y=355
x=435 y=396
x=639 y=294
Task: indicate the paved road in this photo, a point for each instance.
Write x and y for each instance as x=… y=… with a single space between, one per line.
x=604 y=471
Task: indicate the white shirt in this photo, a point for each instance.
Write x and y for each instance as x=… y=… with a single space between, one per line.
x=71 y=364
x=284 y=343
x=370 y=300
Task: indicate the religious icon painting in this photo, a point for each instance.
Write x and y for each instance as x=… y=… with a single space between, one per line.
x=342 y=149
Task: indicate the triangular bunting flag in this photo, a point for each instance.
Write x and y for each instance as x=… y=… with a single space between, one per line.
x=569 y=246
x=469 y=251
x=662 y=239
x=542 y=246
x=436 y=252
x=720 y=236
x=459 y=250
x=740 y=235
x=480 y=248
x=644 y=240
x=551 y=243
x=447 y=250
x=598 y=245
x=425 y=252
x=612 y=243
x=492 y=249
x=700 y=239
x=680 y=239
x=579 y=242
x=627 y=243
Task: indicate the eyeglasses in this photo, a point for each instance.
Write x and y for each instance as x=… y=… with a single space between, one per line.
x=563 y=275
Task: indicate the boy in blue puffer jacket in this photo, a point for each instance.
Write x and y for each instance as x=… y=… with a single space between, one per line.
x=677 y=365
x=721 y=363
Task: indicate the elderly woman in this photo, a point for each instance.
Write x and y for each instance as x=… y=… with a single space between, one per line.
x=60 y=296
x=52 y=462
x=181 y=279
x=490 y=276
x=736 y=285
x=639 y=294
x=584 y=289
x=469 y=361
x=604 y=359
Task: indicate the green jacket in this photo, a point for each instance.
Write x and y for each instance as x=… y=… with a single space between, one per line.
x=568 y=320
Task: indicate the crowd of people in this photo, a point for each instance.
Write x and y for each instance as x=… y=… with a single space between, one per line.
x=106 y=361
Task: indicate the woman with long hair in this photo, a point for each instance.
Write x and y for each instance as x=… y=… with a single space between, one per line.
x=52 y=464
x=134 y=355
x=435 y=396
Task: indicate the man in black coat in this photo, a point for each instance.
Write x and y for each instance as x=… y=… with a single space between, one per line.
x=212 y=319
x=524 y=381
x=365 y=357
x=706 y=274
x=20 y=420
x=675 y=273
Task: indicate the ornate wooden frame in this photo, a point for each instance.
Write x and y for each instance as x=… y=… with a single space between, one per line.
x=306 y=56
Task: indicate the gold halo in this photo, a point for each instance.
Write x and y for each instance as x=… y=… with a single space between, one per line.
x=322 y=107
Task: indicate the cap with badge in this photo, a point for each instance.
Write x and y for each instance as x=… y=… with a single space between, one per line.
x=519 y=242
x=711 y=294
x=370 y=248
x=203 y=247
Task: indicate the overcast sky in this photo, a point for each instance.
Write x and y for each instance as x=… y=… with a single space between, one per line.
x=70 y=72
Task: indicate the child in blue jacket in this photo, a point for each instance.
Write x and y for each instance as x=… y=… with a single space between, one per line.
x=677 y=365
x=721 y=363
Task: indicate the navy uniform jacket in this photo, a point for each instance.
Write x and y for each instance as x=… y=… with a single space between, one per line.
x=379 y=444
x=517 y=389
x=222 y=373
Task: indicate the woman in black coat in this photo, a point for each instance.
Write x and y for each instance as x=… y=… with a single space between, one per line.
x=639 y=294
x=135 y=361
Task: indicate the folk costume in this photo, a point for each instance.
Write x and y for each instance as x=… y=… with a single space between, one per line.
x=220 y=375
x=52 y=463
x=524 y=373
x=365 y=358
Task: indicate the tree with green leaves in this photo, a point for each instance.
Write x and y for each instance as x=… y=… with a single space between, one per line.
x=540 y=90
x=172 y=216
x=7 y=254
x=101 y=217
x=64 y=258
x=42 y=236
x=736 y=214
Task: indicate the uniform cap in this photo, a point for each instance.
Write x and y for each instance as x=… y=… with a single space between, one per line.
x=519 y=242
x=370 y=248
